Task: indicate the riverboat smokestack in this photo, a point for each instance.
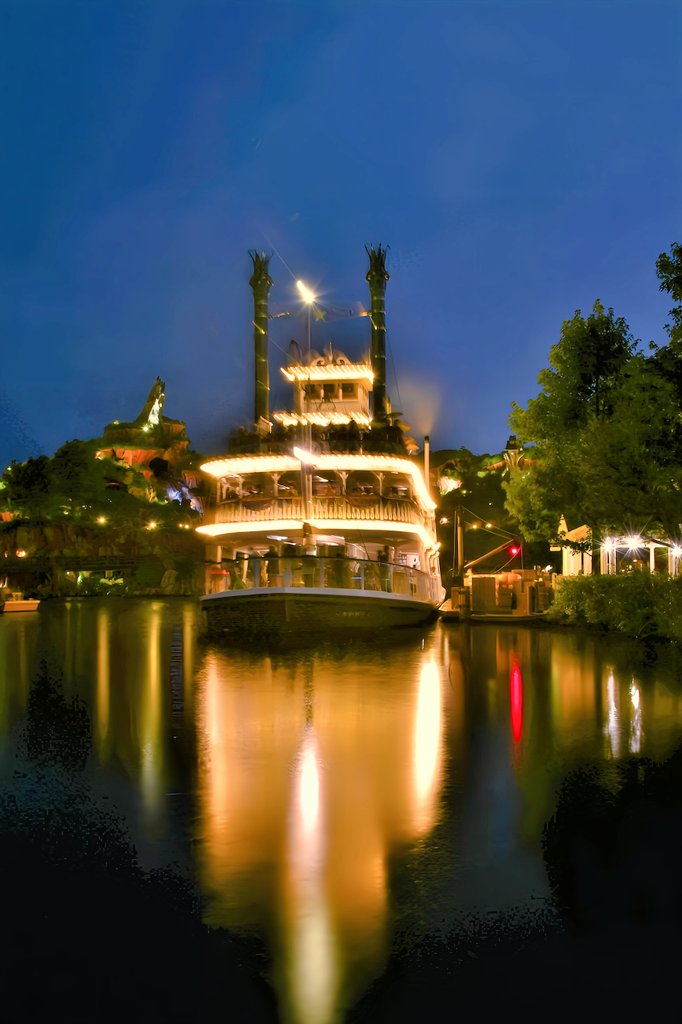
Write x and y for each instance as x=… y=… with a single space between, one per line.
x=261 y=282
x=377 y=278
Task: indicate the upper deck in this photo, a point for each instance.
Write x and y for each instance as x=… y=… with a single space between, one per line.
x=338 y=490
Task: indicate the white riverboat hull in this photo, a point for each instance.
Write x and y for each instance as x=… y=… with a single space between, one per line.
x=314 y=613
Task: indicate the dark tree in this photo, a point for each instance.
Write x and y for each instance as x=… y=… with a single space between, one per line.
x=579 y=390
x=669 y=273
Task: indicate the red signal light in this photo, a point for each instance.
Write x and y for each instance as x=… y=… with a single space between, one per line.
x=514 y=550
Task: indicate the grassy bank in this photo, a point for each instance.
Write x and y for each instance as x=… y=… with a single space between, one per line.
x=637 y=604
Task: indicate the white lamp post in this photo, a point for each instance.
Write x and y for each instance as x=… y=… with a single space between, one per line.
x=308 y=297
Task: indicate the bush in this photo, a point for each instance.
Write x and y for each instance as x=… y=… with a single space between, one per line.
x=638 y=604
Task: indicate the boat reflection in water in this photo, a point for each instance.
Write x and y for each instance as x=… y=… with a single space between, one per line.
x=342 y=801
x=309 y=775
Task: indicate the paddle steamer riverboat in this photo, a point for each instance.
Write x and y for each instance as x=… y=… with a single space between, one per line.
x=320 y=518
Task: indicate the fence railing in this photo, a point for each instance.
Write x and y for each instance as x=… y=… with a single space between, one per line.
x=326 y=573
x=263 y=510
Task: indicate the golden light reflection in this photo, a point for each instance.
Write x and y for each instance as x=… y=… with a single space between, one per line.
x=151 y=767
x=308 y=778
x=309 y=787
x=612 y=727
x=103 y=697
x=188 y=645
x=311 y=975
x=572 y=691
x=636 y=719
x=427 y=743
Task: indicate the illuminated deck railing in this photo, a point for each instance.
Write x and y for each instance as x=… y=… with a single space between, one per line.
x=264 y=510
x=324 y=573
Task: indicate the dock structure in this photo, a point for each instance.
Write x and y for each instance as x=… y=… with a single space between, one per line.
x=522 y=595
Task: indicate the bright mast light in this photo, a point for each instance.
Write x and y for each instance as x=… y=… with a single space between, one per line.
x=305 y=292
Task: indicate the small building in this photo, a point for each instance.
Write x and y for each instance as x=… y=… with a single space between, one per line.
x=616 y=553
x=576 y=549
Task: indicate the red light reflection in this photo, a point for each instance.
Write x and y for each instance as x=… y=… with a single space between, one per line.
x=516 y=701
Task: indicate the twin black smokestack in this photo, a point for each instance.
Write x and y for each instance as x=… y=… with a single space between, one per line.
x=377 y=277
x=261 y=282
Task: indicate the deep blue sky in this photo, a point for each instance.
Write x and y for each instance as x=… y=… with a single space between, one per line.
x=521 y=159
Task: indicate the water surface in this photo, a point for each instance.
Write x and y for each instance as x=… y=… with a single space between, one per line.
x=330 y=799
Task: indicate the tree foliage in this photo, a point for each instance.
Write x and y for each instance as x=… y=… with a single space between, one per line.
x=669 y=273
x=605 y=435
x=77 y=484
x=27 y=485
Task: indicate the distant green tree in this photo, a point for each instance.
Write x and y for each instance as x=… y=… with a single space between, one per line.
x=629 y=462
x=579 y=389
x=77 y=478
x=668 y=357
x=26 y=488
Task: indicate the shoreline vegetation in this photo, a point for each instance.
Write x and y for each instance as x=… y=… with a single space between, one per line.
x=61 y=560
x=636 y=604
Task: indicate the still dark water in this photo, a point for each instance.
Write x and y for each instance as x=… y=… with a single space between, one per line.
x=336 y=801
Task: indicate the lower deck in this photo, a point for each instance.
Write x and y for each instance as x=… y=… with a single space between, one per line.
x=311 y=612
x=338 y=573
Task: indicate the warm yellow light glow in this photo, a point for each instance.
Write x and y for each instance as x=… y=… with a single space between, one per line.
x=21 y=553
x=321 y=419
x=634 y=542
x=427 y=736
x=326 y=525
x=677 y=552
x=306 y=294
x=328 y=371
x=312 y=970
x=634 y=695
x=446 y=484
x=150 y=732
x=380 y=464
x=103 y=680
x=612 y=727
x=276 y=525
x=375 y=526
x=101 y=520
x=309 y=786
x=152 y=524
x=241 y=465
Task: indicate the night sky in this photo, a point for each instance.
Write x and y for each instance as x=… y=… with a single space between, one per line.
x=521 y=160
